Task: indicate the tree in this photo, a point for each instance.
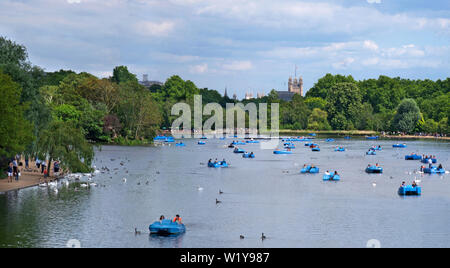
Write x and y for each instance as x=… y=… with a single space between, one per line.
x=407 y=116
x=430 y=126
x=137 y=111
x=62 y=141
x=121 y=74
x=15 y=131
x=318 y=120
x=314 y=103
x=366 y=119
x=111 y=125
x=443 y=127
x=54 y=78
x=100 y=91
x=14 y=62
x=344 y=105
x=324 y=84
x=294 y=114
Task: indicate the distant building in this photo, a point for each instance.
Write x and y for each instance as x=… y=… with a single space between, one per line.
x=294 y=87
x=147 y=83
x=248 y=96
x=234 y=96
x=226 y=93
x=261 y=95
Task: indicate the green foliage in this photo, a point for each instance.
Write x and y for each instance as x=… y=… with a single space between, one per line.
x=294 y=114
x=137 y=111
x=65 y=142
x=54 y=78
x=344 y=105
x=407 y=116
x=324 y=85
x=121 y=75
x=430 y=126
x=15 y=131
x=14 y=62
x=318 y=120
x=314 y=103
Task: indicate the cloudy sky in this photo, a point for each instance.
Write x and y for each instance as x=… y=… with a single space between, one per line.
x=245 y=45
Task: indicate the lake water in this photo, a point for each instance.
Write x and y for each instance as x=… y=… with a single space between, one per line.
x=263 y=195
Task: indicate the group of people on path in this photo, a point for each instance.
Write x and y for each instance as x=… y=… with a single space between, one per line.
x=15 y=165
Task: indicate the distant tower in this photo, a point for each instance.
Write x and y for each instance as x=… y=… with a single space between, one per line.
x=234 y=96
x=226 y=93
x=296 y=86
x=145 y=78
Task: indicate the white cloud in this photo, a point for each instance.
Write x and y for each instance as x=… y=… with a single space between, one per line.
x=343 y=64
x=238 y=66
x=406 y=50
x=149 y=28
x=374 y=1
x=199 y=69
x=371 y=45
x=74 y=1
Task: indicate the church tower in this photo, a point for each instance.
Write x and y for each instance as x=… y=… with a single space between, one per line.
x=296 y=86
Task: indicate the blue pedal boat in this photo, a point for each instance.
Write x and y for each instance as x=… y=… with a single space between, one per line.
x=434 y=170
x=315 y=149
x=425 y=160
x=180 y=144
x=409 y=190
x=339 y=149
x=247 y=155
x=371 y=152
x=413 y=157
x=218 y=165
x=201 y=143
x=374 y=169
x=310 y=170
x=239 y=143
x=238 y=151
x=331 y=178
x=166 y=227
x=282 y=152
x=399 y=146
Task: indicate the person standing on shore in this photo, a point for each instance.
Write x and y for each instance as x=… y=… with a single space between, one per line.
x=43 y=166
x=38 y=163
x=15 y=169
x=56 y=168
x=17 y=175
x=27 y=161
x=10 y=172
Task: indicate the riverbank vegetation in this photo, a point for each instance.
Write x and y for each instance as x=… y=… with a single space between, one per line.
x=61 y=114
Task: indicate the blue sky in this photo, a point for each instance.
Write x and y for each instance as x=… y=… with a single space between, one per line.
x=246 y=46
